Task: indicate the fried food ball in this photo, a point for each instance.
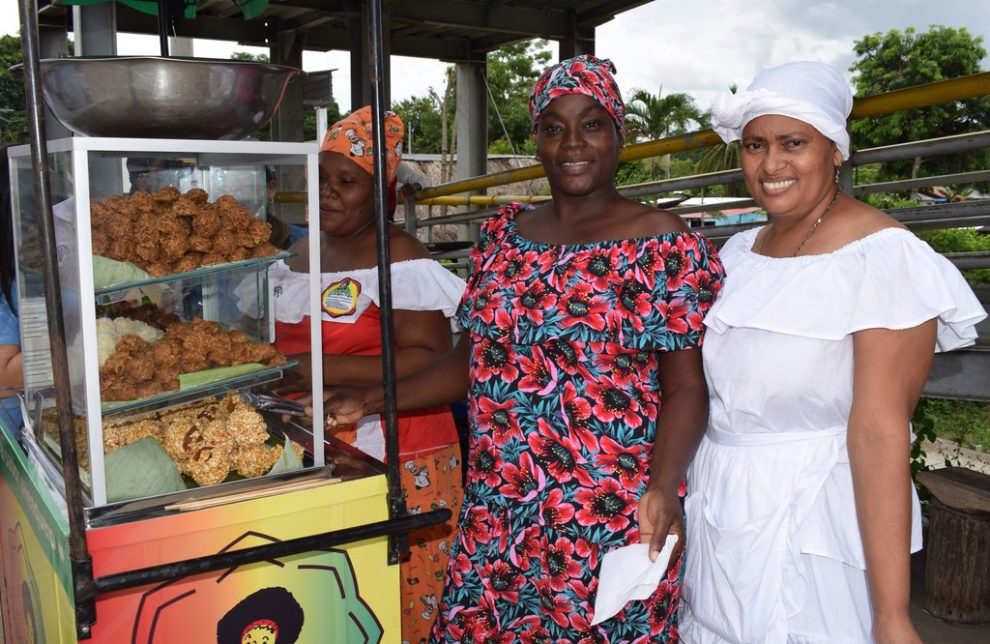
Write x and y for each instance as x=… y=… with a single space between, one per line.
x=100 y=242
x=215 y=433
x=166 y=195
x=119 y=227
x=117 y=436
x=224 y=243
x=218 y=350
x=158 y=269
x=238 y=254
x=200 y=244
x=99 y=214
x=149 y=388
x=259 y=231
x=114 y=365
x=148 y=251
x=197 y=196
x=120 y=249
x=187 y=263
x=247 y=427
x=206 y=223
x=209 y=413
x=208 y=465
x=173 y=248
x=142 y=201
x=116 y=390
x=181 y=436
x=140 y=367
x=256 y=460
x=264 y=249
x=169 y=225
x=213 y=258
x=115 y=202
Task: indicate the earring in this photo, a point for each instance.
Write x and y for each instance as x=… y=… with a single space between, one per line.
x=837 y=175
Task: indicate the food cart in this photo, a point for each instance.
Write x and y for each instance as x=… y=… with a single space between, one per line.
x=159 y=494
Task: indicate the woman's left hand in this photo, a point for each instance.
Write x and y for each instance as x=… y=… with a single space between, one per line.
x=660 y=514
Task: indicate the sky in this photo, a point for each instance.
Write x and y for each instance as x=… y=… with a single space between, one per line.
x=698 y=47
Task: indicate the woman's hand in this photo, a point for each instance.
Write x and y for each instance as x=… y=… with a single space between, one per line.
x=660 y=514
x=348 y=405
x=894 y=631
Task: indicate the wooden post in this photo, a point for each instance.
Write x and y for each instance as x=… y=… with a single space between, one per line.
x=957 y=554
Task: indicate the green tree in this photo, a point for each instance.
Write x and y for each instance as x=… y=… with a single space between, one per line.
x=421 y=117
x=309 y=115
x=654 y=116
x=512 y=71
x=13 y=118
x=900 y=59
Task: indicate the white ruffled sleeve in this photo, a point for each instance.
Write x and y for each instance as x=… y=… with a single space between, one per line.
x=890 y=279
x=421 y=285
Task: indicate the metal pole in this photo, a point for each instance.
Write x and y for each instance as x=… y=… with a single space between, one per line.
x=396 y=502
x=163 y=19
x=220 y=561
x=82 y=564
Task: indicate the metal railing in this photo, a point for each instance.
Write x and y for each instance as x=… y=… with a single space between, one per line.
x=909 y=98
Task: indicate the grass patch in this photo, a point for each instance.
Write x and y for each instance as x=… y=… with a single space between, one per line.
x=965 y=422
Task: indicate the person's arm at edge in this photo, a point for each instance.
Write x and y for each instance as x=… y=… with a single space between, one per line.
x=890 y=371
x=680 y=425
x=420 y=338
x=443 y=381
x=11 y=370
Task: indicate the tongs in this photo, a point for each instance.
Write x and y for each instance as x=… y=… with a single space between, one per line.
x=273 y=403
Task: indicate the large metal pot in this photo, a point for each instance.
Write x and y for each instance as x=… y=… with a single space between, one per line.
x=146 y=96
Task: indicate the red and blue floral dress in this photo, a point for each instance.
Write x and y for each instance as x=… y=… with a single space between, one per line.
x=564 y=396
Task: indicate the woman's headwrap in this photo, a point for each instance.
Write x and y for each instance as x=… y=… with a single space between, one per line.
x=579 y=75
x=815 y=93
x=352 y=137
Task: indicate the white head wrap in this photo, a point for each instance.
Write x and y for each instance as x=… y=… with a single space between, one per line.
x=815 y=93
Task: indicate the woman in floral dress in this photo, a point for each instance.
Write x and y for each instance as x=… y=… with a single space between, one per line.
x=577 y=315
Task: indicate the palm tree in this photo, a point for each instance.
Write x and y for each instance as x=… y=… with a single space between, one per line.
x=653 y=117
x=723 y=156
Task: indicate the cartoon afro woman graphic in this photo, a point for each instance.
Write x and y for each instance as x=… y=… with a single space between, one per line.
x=268 y=616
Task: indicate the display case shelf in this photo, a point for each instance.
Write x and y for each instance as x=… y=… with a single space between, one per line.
x=167 y=399
x=198 y=273
x=147 y=182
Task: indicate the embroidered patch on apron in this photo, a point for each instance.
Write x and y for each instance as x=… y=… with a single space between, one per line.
x=341 y=298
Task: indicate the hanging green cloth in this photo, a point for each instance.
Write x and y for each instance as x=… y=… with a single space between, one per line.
x=250 y=8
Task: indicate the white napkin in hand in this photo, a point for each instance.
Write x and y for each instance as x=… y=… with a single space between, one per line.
x=627 y=573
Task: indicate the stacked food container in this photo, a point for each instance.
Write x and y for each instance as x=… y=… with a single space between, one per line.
x=163 y=250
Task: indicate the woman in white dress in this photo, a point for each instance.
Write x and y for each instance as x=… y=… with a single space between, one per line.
x=801 y=515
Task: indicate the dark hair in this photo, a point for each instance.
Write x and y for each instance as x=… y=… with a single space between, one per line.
x=275 y=605
x=7 y=264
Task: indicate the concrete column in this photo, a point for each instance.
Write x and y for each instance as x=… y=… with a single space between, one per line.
x=95 y=29
x=580 y=41
x=471 y=122
x=53 y=42
x=287 y=124
x=360 y=84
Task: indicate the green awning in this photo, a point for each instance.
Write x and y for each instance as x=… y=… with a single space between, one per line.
x=250 y=8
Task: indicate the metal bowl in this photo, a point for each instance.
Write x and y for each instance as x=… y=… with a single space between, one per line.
x=174 y=98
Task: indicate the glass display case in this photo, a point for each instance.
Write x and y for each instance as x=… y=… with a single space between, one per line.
x=163 y=250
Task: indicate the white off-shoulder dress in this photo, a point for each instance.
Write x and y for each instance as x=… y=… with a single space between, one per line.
x=774 y=547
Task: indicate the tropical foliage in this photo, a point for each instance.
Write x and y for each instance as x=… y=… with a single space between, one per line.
x=899 y=59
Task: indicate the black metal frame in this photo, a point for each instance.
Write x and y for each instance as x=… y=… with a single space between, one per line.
x=85 y=588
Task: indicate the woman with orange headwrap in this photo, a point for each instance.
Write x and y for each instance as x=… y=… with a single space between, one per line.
x=425 y=297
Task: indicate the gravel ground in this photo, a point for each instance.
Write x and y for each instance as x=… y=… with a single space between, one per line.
x=936 y=454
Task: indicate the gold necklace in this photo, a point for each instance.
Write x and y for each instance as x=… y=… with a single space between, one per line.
x=814 y=227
